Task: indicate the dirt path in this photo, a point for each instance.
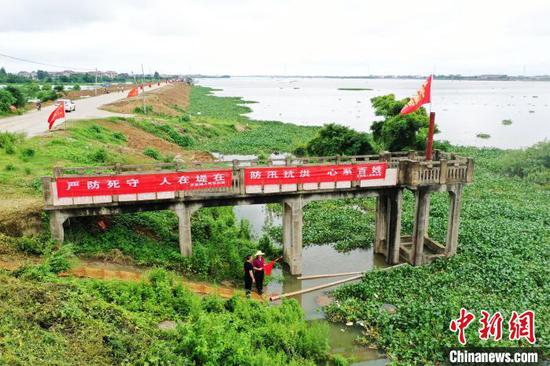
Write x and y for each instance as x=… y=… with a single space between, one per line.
x=35 y=122
x=109 y=271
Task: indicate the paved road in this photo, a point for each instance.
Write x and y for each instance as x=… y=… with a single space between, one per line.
x=35 y=123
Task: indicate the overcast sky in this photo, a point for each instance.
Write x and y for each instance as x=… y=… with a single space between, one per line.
x=280 y=36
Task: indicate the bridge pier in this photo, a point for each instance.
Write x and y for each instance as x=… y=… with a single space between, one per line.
x=184 y=212
x=388 y=224
x=57 y=219
x=292 y=234
x=421 y=212
x=455 y=196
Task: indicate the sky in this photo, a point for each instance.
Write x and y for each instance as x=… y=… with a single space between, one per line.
x=280 y=37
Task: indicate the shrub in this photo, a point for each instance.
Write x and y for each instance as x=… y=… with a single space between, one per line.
x=6 y=100
x=532 y=164
x=20 y=100
x=142 y=110
x=10 y=149
x=34 y=245
x=76 y=87
x=185 y=118
x=28 y=152
x=152 y=153
x=335 y=139
x=59 y=88
x=119 y=136
x=10 y=167
x=98 y=156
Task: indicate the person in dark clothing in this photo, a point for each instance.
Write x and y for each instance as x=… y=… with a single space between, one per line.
x=258 y=264
x=248 y=274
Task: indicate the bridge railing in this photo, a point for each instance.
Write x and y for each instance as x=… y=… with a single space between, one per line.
x=409 y=169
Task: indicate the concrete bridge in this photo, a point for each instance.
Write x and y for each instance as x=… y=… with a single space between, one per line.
x=293 y=182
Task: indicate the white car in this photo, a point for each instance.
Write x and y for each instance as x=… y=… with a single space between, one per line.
x=69 y=104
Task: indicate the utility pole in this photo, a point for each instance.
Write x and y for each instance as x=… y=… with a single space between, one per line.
x=95 y=86
x=143 y=90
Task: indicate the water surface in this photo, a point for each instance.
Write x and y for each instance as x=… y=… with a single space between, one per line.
x=463 y=108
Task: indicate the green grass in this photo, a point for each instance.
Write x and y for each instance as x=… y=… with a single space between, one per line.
x=84 y=144
x=88 y=322
x=502 y=265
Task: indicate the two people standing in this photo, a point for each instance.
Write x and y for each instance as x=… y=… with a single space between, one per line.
x=255 y=269
x=254 y=272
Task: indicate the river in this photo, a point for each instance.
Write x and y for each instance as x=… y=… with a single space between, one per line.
x=463 y=108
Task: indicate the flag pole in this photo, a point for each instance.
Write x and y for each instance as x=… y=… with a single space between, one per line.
x=431 y=129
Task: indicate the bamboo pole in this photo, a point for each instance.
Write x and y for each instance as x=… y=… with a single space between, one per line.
x=319 y=287
x=312 y=277
x=314 y=288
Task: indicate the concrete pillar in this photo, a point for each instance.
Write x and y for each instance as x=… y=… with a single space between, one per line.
x=381 y=228
x=184 y=212
x=419 y=231
x=57 y=218
x=292 y=234
x=393 y=235
x=454 y=221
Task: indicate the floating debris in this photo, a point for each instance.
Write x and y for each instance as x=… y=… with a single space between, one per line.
x=167 y=325
x=506 y=122
x=349 y=324
x=389 y=308
x=354 y=89
x=483 y=135
x=531 y=111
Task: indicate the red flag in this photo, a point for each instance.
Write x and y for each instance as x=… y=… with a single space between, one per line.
x=422 y=97
x=149 y=85
x=268 y=268
x=158 y=84
x=57 y=113
x=141 y=86
x=133 y=93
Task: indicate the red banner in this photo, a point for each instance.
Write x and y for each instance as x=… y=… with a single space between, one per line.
x=142 y=183
x=314 y=174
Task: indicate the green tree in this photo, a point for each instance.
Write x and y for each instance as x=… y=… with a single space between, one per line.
x=41 y=74
x=395 y=132
x=157 y=76
x=6 y=100
x=3 y=74
x=335 y=139
x=20 y=99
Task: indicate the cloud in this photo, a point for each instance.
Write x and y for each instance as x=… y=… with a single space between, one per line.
x=282 y=36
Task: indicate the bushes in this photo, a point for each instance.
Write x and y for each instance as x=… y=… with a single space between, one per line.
x=532 y=164
x=334 y=139
x=6 y=100
x=151 y=238
x=20 y=100
x=152 y=153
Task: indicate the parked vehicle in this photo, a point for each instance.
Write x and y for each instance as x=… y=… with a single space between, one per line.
x=70 y=106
